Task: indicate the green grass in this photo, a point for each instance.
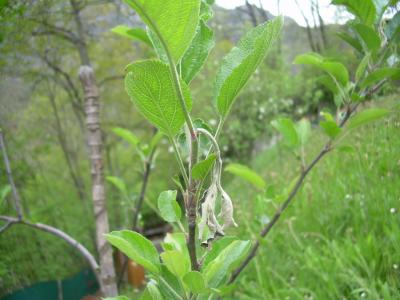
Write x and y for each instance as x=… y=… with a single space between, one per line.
x=340 y=238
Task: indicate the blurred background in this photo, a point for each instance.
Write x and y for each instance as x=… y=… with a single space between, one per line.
x=340 y=240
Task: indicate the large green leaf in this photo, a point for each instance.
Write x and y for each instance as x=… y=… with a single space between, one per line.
x=132 y=33
x=242 y=61
x=288 y=130
x=177 y=263
x=217 y=270
x=174 y=22
x=195 y=56
x=369 y=36
x=247 y=174
x=366 y=116
x=169 y=209
x=336 y=69
x=202 y=168
x=137 y=248
x=380 y=74
x=195 y=282
x=150 y=86
x=364 y=10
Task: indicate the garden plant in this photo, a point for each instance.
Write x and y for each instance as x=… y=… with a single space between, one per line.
x=199 y=261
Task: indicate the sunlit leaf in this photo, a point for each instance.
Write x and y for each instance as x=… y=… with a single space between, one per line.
x=242 y=61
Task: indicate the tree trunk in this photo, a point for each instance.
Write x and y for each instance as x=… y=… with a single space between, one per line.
x=95 y=145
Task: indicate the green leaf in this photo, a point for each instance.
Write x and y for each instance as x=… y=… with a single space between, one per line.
x=392 y=28
x=119 y=184
x=137 y=248
x=195 y=56
x=202 y=168
x=174 y=22
x=362 y=67
x=169 y=209
x=303 y=128
x=116 y=298
x=286 y=127
x=157 y=46
x=132 y=33
x=177 y=263
x=336 y=69
x=369 y=36
x=195 y=282
x=4 y=191
x=151 y=292
x=242 y=61
x=364 y=10
x=351 y=41
x=126 y=135
x=380 y=74
x=247 y=174
x=206 y=11
x=150 y=86
x=218 y=269
x=367 y=116
x=330 y=128
x=329 y=83
x=175 y=241
x=217 y=247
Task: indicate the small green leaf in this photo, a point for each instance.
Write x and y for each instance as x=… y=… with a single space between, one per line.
x=4 y=191
x=169 y=209
x=197 y=53
x=195 y=282
x=362 y=67
x=132 y=33
x=118 y=183
x=380 y=74
x=242 y=61
x=217 y=270
x=286 y=127
x=126 y=135
x=369 y=36
x=202 y=168
x=303 y=128
x=247 y=174
x=174 y=22
x=151 y=88
x=367 y=116
x=137 y=248
x=177 y=263
x=330 y=128
x=151 y=292
x=364 y=10
x=336 y=69
x=157 y=46
x=351 y=41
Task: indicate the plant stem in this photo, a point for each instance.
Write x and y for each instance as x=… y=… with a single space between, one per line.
x=180 y=161
x=17 y=199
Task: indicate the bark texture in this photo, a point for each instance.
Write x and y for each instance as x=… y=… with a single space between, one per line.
x=95 y=145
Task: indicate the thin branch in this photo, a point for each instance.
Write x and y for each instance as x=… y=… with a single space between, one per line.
x=57 y=232
x=327 y=147
x=17 y=199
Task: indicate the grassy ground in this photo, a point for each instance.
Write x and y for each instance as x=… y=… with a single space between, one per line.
x=340 y=238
